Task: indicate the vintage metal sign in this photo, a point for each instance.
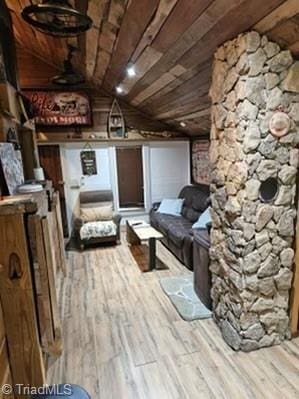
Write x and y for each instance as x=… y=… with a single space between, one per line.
x=56 y=108
x=88 y=162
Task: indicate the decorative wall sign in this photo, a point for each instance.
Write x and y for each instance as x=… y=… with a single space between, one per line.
x=88 y=162
x=55 y=108
x=200 y=161
x=280 y=124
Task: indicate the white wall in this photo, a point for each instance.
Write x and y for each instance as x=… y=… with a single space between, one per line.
x=74 y=181
x=166 y=167
x=169 y=168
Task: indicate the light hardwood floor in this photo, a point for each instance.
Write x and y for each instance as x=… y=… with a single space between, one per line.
x=124 y=340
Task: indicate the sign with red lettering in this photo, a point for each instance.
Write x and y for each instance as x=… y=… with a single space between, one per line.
x=56 y=108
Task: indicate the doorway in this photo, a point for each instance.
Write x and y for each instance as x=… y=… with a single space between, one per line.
x=130 y=177
x=50 y=161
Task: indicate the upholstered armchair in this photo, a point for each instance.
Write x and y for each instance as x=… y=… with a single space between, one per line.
x=97 y=222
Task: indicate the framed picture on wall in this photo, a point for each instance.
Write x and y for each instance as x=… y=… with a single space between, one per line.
x=60 y=108
x=88 y=162
x=200 y=163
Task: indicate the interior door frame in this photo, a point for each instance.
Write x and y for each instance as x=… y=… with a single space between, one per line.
x=145 y=152
x=61 y=157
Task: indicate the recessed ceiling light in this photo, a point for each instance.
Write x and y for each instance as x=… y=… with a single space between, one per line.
x=131 y=71
x=183 y=124
x=119 y=89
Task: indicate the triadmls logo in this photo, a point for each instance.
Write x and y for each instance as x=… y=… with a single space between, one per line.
x=63 y=390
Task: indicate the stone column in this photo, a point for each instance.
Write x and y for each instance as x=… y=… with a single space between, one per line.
x=251 y=240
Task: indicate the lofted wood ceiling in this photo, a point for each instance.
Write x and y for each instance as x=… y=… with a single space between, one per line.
x=170 y=43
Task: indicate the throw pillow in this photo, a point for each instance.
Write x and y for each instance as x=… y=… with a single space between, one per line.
x=171 y=206
x=203 y=220
x=97 y=214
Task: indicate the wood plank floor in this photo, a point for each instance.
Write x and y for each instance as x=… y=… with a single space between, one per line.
x=124 y=340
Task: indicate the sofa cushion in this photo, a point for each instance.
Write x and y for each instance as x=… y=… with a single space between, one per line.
x=178 y=230
x=96 y=204
x=177 y=237
x=190 y=214
x=98 y=229
x=203 y=220
x=171 y=206
x=196 y=198
x=96 y=213
x=163 y=221
x=199 y=202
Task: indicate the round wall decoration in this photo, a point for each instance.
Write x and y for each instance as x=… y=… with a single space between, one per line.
x=280 y=124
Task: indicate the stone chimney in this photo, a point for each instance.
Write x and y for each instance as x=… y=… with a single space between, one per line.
x=254 y=160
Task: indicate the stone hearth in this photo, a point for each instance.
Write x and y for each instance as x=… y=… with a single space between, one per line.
x=251 y=240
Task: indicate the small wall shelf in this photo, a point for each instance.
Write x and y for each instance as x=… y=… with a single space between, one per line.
x=116 y=122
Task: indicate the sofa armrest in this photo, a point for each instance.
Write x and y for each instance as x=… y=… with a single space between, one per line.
x=209 y=226
x=117 y=219
x=188 y=251
x=78 y=223
x=156 y=206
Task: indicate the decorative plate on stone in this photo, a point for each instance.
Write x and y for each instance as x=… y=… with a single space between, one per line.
x=280 y=124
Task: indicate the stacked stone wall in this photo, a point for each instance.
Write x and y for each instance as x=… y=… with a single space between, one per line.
x=251 y=240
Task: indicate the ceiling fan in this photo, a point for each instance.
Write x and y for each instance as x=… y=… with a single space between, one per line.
x=56 y=18
x=69 y=77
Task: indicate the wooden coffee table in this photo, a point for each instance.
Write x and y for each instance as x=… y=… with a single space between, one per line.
x=139 y=233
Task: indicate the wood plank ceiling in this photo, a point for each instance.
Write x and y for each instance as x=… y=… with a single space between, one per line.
x=170 y=43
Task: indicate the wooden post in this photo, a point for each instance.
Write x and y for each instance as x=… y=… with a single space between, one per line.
x=56 y=347
x=59 y=232
x=18 y=305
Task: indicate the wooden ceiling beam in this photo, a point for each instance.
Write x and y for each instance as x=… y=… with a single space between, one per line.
x=170 y=42
x=144 y=55
x=198 y=83
x=181 y=110
x=208 y=18
x=184 y=15
x=191 y=97
x=54 y=47
x=164 y=9
x=282 y=13
x=225 y=30
x=183 y=99
x=96 y=10
x=161 y=82
x=169 y=33
x=137 y=17
x=294 y=48
x=109 y=30
x=286 y=33
x=195 y=115
x=215 y=28
x=176 y=83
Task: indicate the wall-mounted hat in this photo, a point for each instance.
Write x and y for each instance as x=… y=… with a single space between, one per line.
x=280 y=124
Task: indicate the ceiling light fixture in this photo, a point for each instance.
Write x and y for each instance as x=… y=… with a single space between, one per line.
x=56 y=18
x=183 y=124
x=119 y=89
x=131 y=71
x=68 y=77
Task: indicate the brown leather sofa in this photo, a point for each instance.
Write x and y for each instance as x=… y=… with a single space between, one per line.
x=93 y=199
x=177 y=230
